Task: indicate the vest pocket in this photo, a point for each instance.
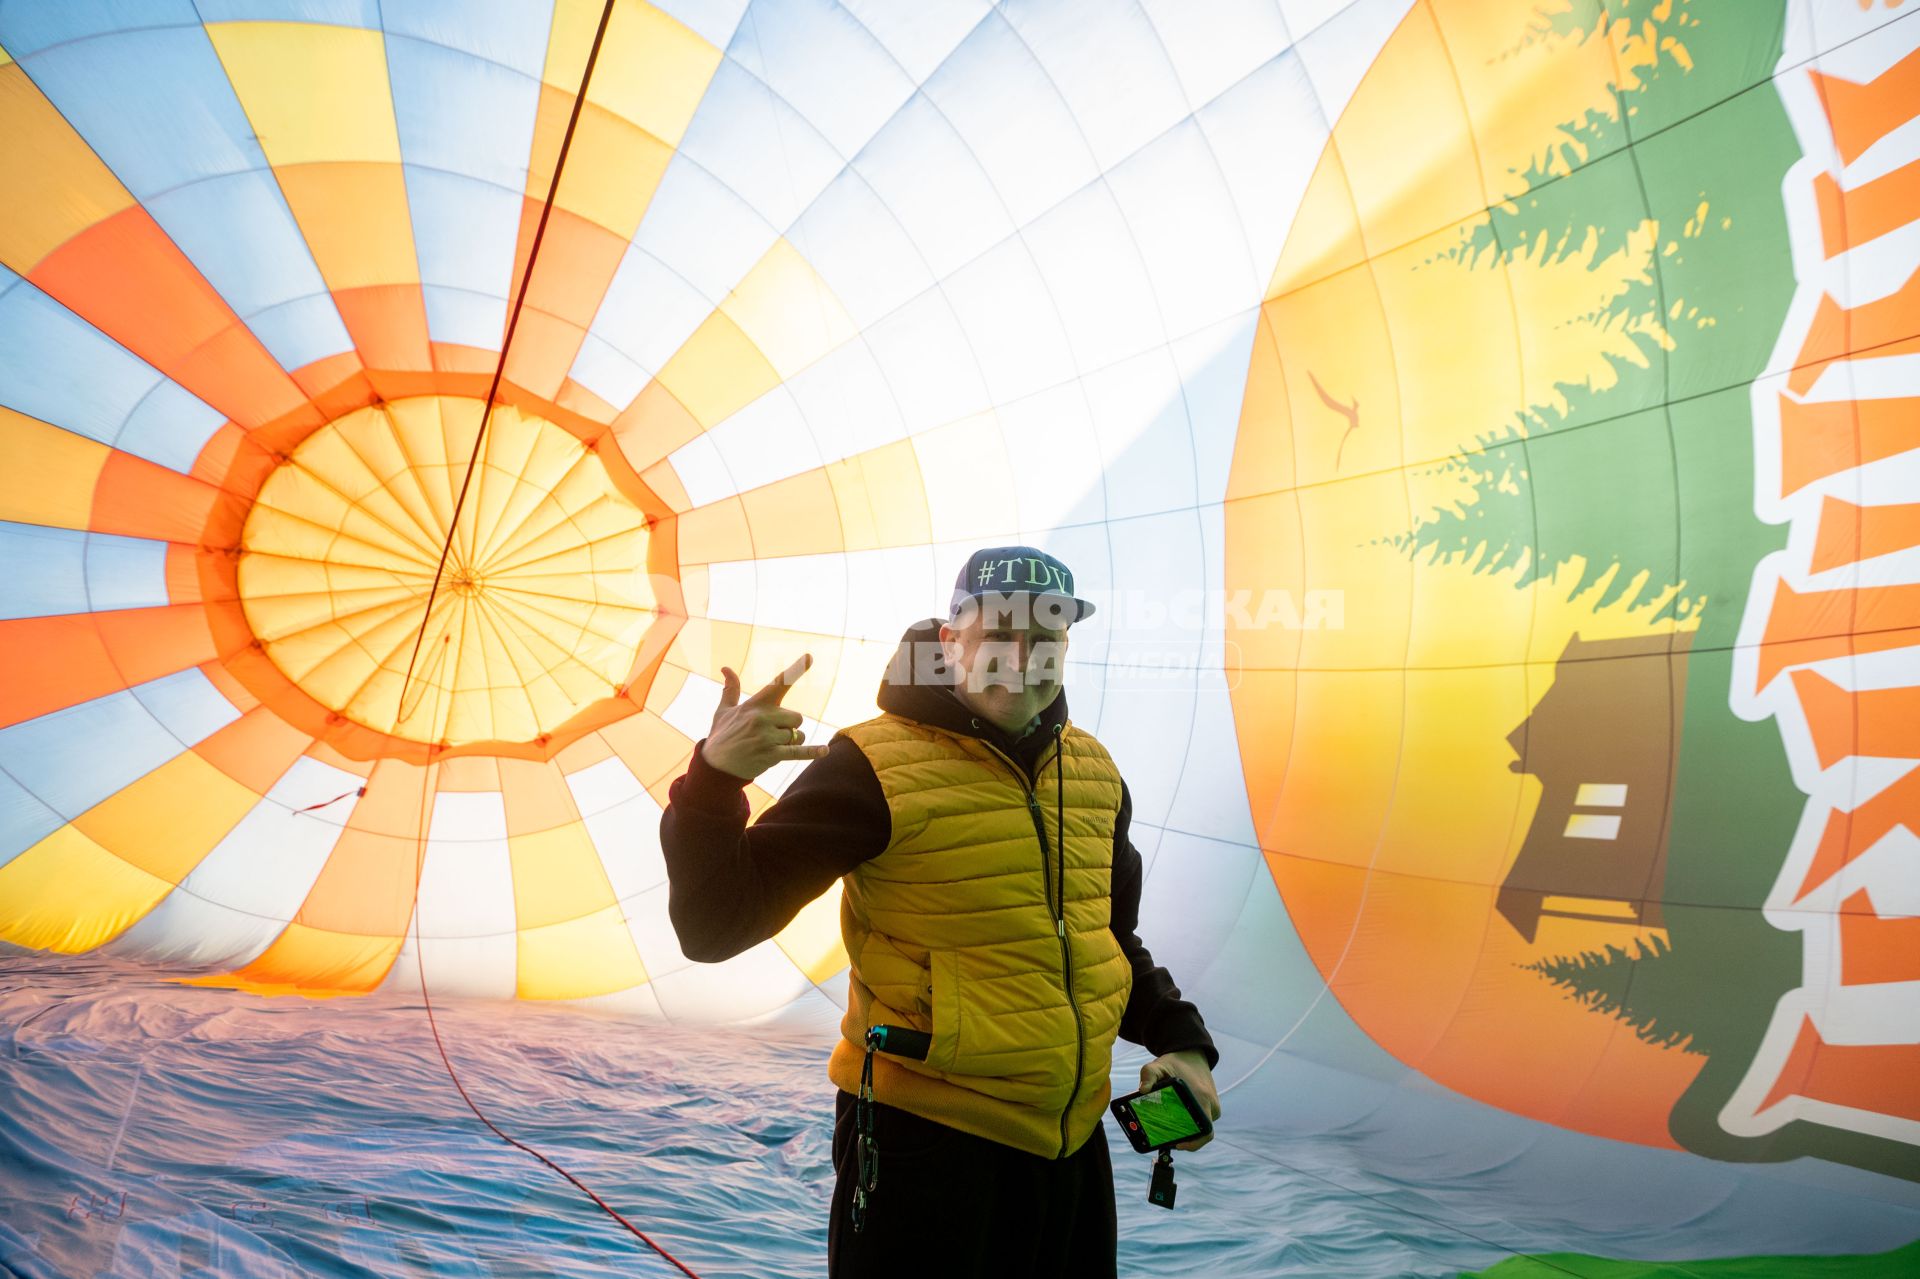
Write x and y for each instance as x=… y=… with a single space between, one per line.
x=945 y=1051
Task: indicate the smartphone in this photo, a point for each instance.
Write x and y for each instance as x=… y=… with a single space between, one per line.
x=1161 y=1116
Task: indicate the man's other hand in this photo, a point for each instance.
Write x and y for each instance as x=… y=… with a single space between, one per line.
x=750 y=737
x=1191 y=1068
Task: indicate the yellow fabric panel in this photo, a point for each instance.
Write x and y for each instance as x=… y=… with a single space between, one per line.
x=314 y=961
x=652 y=70
x=69 y=894
x=6 y=59
x=794 y=516
x=812 y=941
x=312 y=91
x=579 y=958
x=718 y=372
x=354 y=216
x=612 y=171
x=187 y=798
x=56 y=186
x=47 y=475
x=966 y=463
x=787 y=310
x=881 y=497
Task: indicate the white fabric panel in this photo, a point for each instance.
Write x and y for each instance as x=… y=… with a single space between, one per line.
x=755 y=143
x=1013 y=120
x=1304 y=16
x=465 y=231
x=1114 y=74
x=817 y=56
x=613 y=377
x=846 y=403
x=751 y=984
x=298 y=332
x=241 y=895
x=1211 y=795
x=932 y=182
x=767 y=440
x=169 y=426
x=857 y=245
x=187 y=705
x=626 y=833
x=1146 y=441
x=1266 y=134
x=1339 y=51
x=714 y=21
x=1193 y=247
x=1094 y=276
x=472 y=967
x=653 y=936
x=1196 y=891
x=463 y=316
x=792 y=592
x=917 y=350
x=703 y=231
x=732 y=588
x=649 y=310
x=600 y=787
x=1057 y=471
x=1155 y=722
x=1213 y=45
x=1011 y=321
x=702 y=472
x=466 y=877
x=1213 y=378
x=691 y=710
x=54 y=571
x=918 y=36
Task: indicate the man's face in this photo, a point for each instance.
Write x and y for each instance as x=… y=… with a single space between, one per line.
x=1007 y=668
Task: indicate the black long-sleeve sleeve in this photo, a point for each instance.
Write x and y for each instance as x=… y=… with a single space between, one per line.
x=1156 y=1017
x=731 y=886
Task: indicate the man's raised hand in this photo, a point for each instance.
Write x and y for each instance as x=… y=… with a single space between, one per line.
x=749 y=737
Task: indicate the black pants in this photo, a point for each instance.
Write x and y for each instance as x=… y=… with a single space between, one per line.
x=949 y=1205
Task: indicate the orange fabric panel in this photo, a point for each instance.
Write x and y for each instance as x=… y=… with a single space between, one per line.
x=127 y=279
x=1871 y=1077
x=1814 y=625
x=137 y=498
x=354 y=216
x=56 y=186
x=313 y=962
x=1862 y=114
x=1888 y=326
x=191 y=801
x=255 y=750
x=1849 y=834
x=388 y=323
x=1868 y=211
x=536 y=795
x=654 y=425
x=1874 y=947
x=1825 y=438
x=1849 y=533
x=56 y=662
x=1881 y=722
x=47 y=475
x=368 y=885
x=543 y=349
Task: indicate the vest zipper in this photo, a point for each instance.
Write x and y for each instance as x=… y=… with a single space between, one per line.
x=1059 y=913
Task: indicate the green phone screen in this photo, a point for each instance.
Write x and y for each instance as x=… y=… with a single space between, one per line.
x=1163 y=1118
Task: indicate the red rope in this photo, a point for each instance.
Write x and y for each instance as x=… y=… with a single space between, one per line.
x=453 y=525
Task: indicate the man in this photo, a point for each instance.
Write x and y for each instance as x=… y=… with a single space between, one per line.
x=991 y=899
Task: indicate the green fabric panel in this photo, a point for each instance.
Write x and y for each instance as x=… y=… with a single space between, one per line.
x=1901 y=1263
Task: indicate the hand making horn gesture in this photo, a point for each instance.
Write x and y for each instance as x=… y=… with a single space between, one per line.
x=750 y=737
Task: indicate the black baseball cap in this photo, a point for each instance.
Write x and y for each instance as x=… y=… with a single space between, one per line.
x=994 y=573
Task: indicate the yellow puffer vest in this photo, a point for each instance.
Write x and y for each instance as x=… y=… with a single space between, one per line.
x=952 y=930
